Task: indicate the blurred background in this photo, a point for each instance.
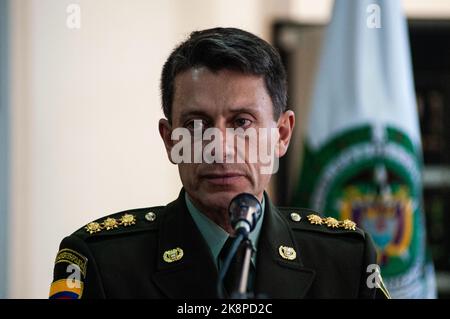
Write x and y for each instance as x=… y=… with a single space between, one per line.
x=80 y=104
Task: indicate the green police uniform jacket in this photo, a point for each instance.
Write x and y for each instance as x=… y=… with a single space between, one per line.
x=158 y=252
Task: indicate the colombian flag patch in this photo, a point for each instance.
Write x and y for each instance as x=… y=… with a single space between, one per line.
x=66 y=289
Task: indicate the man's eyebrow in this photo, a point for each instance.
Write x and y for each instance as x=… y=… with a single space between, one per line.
x=245 y=109
x=187 y=113
x=242 y=109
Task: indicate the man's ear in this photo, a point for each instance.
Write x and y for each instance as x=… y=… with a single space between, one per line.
x=285 y=124
x=165 y=130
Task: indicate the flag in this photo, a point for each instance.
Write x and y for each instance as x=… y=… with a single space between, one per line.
x=362 y=150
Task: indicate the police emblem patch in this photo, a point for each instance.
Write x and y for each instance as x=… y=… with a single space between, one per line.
x=72 y=257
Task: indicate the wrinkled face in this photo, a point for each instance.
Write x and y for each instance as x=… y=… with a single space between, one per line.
x=223 y=99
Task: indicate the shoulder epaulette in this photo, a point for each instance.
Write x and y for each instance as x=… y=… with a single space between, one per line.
x=126 y=221
x=308 y=219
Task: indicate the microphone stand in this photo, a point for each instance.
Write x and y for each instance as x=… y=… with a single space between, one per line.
x=241 y=293
x=245 y=211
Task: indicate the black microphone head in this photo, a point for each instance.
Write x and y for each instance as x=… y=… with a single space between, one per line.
x=244 y=209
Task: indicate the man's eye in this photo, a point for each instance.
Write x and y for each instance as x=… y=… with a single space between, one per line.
x=242 y=122
x=195 y=124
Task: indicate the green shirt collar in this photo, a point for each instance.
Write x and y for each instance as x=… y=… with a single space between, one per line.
x=214 y=235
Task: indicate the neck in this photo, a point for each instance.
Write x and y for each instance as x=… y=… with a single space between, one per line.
x=219 y=215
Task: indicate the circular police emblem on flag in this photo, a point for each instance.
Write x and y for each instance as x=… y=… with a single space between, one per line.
x=373 y=178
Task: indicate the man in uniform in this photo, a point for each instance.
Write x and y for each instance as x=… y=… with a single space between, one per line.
x=218 y=78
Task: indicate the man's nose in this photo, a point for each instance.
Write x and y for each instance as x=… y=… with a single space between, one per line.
x=226 y=140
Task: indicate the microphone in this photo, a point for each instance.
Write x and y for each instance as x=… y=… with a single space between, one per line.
x=245 y=211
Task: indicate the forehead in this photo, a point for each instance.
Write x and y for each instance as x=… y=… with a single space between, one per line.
x=200 y=89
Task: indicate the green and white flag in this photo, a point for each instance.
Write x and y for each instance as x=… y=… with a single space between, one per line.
x=362 y=155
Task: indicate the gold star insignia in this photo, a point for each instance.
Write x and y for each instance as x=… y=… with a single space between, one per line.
x=127 y=220
x=110 y=223
x=331 y=222
x=93 y=228
x=315 y=219
x=348 y=224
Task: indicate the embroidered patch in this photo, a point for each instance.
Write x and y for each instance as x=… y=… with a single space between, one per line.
x=72 y=257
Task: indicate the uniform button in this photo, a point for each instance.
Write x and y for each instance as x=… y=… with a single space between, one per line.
x=295 y=217
x=150 y=216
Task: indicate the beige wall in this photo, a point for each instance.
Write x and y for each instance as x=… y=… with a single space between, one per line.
x=85 y=111
x=85 y=106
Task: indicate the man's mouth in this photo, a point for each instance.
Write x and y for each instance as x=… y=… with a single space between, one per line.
x=223 y=179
